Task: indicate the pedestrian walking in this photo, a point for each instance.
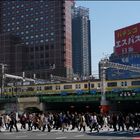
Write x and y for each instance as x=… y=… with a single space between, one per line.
x=13 y=122
x=1 y=122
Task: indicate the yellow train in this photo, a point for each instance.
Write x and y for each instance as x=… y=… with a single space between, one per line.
x=88 y=87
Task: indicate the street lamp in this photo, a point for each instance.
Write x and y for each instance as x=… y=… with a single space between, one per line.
x=89 y=78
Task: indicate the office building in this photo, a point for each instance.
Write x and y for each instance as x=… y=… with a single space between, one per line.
x=44 y=28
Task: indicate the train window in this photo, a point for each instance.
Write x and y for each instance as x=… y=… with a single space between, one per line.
x=77 y=86
x=15 y=89
x=19 y=89
x=112 y=84
x=92 y=85
x=67 y=86
x=48 y=88
x=134 y=83
x=125 y=83
x=122 y=84
x=5 y=90
x=85 y=85
x=38 y=88
x=30 y=89
x=57 y=87
x=10 y=90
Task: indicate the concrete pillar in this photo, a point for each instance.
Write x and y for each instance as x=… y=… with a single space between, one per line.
x=25 y=102
x=42 y=107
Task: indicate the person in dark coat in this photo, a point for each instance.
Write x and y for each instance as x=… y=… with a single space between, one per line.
x=114 y=121
x=13 y=122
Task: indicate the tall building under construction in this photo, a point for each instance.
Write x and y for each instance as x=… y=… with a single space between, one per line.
x=81 y=42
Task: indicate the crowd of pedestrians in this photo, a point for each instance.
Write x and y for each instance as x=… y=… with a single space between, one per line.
x=69 y=121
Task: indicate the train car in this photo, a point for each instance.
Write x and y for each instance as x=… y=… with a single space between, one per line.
x=74 y=88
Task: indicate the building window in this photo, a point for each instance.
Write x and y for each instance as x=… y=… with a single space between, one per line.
x=41 y=56
x=52 y=33
x=41 y=48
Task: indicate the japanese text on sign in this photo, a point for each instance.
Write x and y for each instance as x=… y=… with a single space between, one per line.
x=131 y=40
x=127 y=32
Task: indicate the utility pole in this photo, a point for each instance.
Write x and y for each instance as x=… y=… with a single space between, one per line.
x=2 y=77
x=104 y=102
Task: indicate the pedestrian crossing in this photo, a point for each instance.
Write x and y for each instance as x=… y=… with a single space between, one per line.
x=101 y=132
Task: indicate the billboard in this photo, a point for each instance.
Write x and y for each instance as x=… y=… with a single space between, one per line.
x=130 y=60
x=127 y=40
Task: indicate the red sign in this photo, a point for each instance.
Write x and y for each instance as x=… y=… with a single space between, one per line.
x=127 y=40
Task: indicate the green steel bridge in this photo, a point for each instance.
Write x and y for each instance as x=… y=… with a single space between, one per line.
x=85 y=97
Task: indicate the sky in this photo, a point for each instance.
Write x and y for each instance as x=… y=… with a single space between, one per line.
x=106 y=17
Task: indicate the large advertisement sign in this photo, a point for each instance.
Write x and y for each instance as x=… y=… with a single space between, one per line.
x=127 y=40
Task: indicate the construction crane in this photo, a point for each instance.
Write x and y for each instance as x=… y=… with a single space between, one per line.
x=105 y=64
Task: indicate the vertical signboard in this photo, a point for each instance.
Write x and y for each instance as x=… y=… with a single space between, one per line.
x=127 y=40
